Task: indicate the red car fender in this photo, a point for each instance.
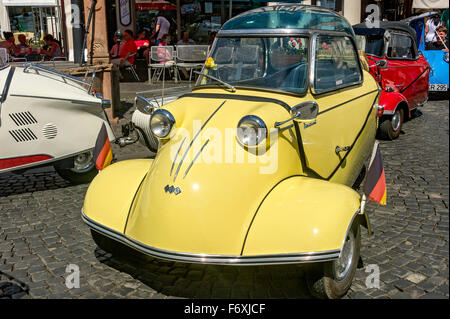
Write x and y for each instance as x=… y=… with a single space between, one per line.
x=390 y=101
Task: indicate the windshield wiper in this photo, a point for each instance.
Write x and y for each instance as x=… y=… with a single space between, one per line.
x=229 y=86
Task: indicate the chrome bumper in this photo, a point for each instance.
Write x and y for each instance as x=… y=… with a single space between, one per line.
x=212 y=259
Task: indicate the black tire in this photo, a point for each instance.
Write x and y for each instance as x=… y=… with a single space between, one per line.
x=322 y=280
x=386 y=130
x=77 y=178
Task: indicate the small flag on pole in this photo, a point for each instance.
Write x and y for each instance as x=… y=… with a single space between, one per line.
x=375 y=186
x=102 y=151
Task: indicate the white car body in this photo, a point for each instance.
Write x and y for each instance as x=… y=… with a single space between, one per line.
x=46 y=117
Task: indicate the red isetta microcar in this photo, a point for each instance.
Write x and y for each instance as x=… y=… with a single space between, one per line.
x=400 y=69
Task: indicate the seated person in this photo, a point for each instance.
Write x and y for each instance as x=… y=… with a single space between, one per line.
x=53 y=49
x=115 y=50
x=9 y=44
x=185 y=40
x=23 y=47
x=143 y=46
x=128 y=51
x=441 y=43
x=430 y=30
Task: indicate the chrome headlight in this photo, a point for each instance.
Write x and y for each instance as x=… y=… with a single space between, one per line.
x=251 y=130
x=143 y=105
x=162 y=123
x=446 y=58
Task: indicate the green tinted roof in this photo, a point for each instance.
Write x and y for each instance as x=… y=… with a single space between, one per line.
x=290 y=16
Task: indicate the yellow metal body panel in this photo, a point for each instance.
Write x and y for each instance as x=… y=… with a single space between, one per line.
x=220 y=194
x=111 y=193
x=302 y=215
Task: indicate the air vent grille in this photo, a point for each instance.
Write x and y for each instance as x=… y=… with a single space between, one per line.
x=23 y=118
x=23 y=135
x=50 y=131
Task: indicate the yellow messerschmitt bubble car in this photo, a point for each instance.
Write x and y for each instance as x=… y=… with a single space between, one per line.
x=256 y=165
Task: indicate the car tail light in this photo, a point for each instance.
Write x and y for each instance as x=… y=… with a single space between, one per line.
x=380 y=110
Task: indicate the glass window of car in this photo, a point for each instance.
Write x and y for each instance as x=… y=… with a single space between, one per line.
x=401 y=46
x=267 y=63
x=371 y=44
x=336 y=63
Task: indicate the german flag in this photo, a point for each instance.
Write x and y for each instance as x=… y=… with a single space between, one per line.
x=375 y=186
x=102 y=151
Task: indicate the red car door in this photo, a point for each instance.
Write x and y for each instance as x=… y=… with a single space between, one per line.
x=406 y=71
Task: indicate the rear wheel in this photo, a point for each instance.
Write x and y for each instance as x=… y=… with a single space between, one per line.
x=332 y=280
x=391 y=126
x=83 y=170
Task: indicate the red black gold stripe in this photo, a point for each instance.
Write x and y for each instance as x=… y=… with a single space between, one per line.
x=102 y=151
x=375 y=187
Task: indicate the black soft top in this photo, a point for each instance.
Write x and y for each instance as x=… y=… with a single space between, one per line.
x=362 y=29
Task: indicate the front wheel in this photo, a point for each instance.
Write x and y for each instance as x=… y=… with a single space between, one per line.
x=83 y=170
x=391 y=126
x=332 y=280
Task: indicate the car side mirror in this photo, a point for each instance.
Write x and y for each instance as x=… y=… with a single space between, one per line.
x=382 y=63
x=305 y=112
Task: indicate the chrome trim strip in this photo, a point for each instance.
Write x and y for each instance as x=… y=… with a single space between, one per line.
x=195 y=137
x=198 y=154
x=312 y=63
x=176 y=156
x=389 y=112
x=42 y=163
x=58 y=99
x=349 y=227
x=212 y=259
x=262 y=32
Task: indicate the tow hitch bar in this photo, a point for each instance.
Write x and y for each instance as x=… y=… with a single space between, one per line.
x=126 y=140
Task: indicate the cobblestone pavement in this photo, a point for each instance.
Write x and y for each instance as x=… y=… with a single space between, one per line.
x=41 y=233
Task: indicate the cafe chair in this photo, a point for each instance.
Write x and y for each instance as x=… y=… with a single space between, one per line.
x=162 y=58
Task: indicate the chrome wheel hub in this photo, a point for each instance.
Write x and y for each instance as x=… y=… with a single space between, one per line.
x=395 y=121
x=83 y=162
x=343 y=264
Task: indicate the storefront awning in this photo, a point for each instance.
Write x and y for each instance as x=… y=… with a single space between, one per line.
x=30 y=3
x=147 y=5
x=430 y=4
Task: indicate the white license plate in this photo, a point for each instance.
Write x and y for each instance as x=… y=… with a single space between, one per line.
x=438 y=87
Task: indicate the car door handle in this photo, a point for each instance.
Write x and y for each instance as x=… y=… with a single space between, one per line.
x=399 y=85
x=343 y=149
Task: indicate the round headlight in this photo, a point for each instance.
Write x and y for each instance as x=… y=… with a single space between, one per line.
x=251 y=130
x=446 y=58
x=161 y=123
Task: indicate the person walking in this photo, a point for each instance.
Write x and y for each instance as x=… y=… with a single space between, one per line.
x=162 y=27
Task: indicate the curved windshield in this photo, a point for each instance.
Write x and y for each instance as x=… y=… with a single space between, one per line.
x=268 y=63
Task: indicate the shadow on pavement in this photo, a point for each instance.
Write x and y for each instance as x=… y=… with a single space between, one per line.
x=210 y=281
x=35 y=180
x=11 y=290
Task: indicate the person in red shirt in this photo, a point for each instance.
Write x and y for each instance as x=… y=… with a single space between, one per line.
x=128 y=51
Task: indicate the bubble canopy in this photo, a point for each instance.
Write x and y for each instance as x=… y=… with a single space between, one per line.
x=288 y=16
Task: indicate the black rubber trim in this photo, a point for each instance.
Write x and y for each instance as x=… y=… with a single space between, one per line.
x=407 y=87
x=356 y=139
x=237 y=97
x=351 y=100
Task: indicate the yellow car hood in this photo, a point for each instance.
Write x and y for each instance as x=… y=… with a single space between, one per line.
x=196 y=197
